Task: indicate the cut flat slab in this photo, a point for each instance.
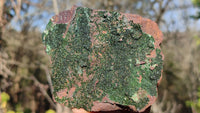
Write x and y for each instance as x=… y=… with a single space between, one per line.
x=104 y=60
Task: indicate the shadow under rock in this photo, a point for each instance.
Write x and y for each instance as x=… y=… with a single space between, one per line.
x=125 y=109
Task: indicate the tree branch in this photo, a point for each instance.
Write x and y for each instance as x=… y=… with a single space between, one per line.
x=43 y=91
x=1 y=12
x=162 y=11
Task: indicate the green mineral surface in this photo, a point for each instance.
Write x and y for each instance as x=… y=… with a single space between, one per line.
x=107 y=49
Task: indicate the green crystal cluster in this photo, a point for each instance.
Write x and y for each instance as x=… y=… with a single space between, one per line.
x=120 y=54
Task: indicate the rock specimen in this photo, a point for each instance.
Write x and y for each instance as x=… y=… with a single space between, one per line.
x=103 y=60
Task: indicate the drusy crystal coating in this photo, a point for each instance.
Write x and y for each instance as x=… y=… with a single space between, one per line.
x=102 y=56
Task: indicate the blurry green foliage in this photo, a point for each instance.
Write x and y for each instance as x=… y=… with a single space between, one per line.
x=50 y=111
x=5 y=97
x=24 y=56
x=4 y=101
x=19 y=108
x=10 y=111
x=196 y=3
x=181 y=69
x=196 y=104
x=197 y=40
x=4 y=104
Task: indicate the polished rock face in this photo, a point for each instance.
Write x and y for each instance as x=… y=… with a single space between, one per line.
x=104 y=58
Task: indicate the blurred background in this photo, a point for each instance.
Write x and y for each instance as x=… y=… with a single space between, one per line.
x=25 y=85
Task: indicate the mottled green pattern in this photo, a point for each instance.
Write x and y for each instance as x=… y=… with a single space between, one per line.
x=121 y=56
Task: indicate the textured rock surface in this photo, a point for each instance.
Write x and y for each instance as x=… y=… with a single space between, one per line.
x=104 y=59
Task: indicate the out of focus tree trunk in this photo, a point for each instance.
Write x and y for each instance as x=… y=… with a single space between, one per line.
x=1 y=21
x=55 y=6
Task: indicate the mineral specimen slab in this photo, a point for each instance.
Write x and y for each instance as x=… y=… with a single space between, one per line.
x=101 y=58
